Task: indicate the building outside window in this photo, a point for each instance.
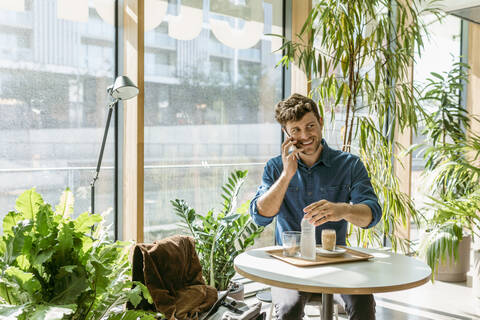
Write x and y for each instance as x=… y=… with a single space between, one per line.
x=217 y=113
x=55 y=66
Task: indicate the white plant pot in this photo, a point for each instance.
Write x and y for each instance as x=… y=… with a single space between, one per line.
x=456 y=271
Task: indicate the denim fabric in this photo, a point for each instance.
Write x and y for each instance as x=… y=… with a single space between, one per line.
x=337 y=177
x=289 y=304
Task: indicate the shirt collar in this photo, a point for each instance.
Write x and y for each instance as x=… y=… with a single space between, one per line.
x=324 y=156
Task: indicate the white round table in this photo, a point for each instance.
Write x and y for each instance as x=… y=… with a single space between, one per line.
x=386 y=272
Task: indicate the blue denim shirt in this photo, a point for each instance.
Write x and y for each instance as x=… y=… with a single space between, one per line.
x=337 y=177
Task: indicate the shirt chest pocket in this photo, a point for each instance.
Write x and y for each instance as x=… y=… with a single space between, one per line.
x=339 y=193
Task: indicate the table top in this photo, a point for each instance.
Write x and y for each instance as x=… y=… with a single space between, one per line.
x=386 y=272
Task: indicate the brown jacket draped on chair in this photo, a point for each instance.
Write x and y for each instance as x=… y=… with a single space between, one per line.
x=171 y=271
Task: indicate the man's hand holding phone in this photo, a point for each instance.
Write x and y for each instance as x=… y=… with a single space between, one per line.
x=290 y=154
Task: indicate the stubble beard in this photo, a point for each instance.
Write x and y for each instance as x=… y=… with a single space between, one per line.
x=315 y=146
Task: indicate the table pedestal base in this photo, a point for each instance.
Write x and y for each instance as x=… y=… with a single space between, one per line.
x=327 y=306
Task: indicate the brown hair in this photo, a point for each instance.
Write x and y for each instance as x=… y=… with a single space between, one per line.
x=294 y=108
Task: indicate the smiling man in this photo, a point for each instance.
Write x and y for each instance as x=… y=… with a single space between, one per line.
x=329 y=187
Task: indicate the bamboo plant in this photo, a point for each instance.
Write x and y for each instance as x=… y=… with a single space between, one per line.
x=358 y=55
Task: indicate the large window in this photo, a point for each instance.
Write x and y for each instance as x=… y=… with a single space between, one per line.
x=211 y=87
x=56 y=61
x=441 y=50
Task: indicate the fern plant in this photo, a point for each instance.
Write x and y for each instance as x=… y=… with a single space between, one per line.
x=55 y=267
x=220 y=237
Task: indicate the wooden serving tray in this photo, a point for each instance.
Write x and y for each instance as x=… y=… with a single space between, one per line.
x=349 y=256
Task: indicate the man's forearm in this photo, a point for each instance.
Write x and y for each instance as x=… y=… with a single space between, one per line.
x=269 y=203
x=358 y=214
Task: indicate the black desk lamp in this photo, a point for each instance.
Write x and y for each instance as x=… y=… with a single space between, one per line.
x=122 y=89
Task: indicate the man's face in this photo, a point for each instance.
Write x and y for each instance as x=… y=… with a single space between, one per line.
x=307 y=132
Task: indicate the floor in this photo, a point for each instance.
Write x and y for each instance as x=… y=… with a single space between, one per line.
x=436 y=301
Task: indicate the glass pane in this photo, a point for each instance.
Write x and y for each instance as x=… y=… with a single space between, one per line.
x=210 y=90
x=440 y=52
x=56 y=63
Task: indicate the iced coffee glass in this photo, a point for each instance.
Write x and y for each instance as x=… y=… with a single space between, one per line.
x=291 y=243
x=329 y=238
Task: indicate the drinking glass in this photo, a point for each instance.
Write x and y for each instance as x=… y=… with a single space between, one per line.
x=291 y=243
x=329 y=238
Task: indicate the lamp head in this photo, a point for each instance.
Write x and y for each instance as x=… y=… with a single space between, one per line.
x=123 y=88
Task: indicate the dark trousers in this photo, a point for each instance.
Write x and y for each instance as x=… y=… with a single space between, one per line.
x=289 y=304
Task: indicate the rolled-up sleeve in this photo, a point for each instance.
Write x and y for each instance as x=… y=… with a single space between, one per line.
x=362 y=192
x=268 y=179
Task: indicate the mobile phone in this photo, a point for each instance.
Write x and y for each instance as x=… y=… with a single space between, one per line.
x=292 y=148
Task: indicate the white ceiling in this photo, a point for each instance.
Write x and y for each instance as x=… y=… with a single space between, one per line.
x=452 y=5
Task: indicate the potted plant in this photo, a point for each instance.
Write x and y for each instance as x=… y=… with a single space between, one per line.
x=445 y=244
x=357 y=55
x=56 y=267
x=220 y=237
x=449 y=151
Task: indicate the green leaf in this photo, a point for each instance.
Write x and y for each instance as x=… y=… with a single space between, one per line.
x=437 y=75
x=9 y=221
x=69 y=285
x=14 y=243
x=135 y=296
x=9 y=312
x=145 y=292
x=43 y=256
x=64 y=239
x=25 y=280
x=101 y=279
x=65 y=207
x=43 y=220
x=132 y=315
x=243 y=208
x=49 y=312
x=86 y=221
x=23 y=261
x=27 y=204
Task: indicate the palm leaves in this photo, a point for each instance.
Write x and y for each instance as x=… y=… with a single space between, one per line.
x=450 y=152
x=446 y=133
x=220 y=237
x=440 y=242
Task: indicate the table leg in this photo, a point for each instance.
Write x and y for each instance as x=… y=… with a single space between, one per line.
x=327 y=306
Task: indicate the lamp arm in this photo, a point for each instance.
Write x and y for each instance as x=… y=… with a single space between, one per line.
x=111 y=106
